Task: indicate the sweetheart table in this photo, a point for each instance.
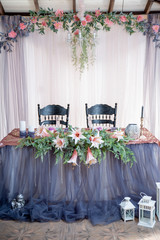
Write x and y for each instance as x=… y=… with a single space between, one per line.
x=59 y=191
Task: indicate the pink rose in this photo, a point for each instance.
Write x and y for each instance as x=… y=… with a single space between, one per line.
x=97 y=13
x=22 y=26
x=12 y=34
x=88 y=18
x=84 y=23
x=76 y=18
x=76 y=32
x=108 y=22
x=59 y=13
x=58 y=25
x=34 y=20
x=155 y=28
x=139 y=18
x=44 y=24
x=123 y=19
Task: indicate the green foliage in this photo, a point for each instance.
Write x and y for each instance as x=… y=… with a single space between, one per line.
x=44 y=144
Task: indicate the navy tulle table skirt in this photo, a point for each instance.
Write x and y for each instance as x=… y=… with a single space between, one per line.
x=57 y=191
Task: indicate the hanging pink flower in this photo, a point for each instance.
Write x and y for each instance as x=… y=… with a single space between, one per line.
x=140 y=18
x=84 y=23
x=58 y=25
x=12 y=34
x=22 y=26
x=123 y=19
x=44 y=24
x=108 y=22
x=90 y=159
x=76 y=18
x=59 y=142
x=88 y=18
x=76 y=32
x=59 y=13
x=34 y=20
x=96 y=141
x=77 y=135
x=155 y=28
x=73 y=159
x=97 y=13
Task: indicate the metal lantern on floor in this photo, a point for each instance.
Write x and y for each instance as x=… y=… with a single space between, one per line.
x=158 y=201
x=127 y=209
x=146 y=211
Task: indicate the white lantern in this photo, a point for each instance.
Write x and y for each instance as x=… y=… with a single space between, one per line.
x=127 y=209
x=146 y=212
x=158 y=201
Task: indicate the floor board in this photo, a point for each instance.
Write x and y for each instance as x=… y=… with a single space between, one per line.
x=81 y=230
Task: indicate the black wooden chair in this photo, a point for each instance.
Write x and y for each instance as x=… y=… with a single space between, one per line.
x=101 y=115
x=50 y=114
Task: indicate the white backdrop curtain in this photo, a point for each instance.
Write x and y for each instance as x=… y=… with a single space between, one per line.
x=116 y=76
x=152 y=83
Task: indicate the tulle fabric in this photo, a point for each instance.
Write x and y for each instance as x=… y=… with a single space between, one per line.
x=57 y=191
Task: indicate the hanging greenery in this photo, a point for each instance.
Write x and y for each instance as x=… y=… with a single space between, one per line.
x=81 y=30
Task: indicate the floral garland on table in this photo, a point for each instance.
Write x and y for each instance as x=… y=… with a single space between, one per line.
x=82 y=29
x=89 y=145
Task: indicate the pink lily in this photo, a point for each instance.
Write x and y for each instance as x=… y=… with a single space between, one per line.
x=77 y=135
x=90 y=159
x=59 y=142
x=139 y=18
x=73 y=159
x=76 y=18
x=88 y=18
x=22 y=26
x=59 y=13
x=96 y=141
x=84 y=23
x=58 y=25
x=97 y=13
x=12 y=34
x=123 y=19
x=155 y=28
x=76 y=32
x=108 y=22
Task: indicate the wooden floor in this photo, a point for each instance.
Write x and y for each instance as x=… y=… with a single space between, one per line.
x=81 y=230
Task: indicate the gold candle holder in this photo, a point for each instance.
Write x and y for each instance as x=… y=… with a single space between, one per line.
x=141 y=126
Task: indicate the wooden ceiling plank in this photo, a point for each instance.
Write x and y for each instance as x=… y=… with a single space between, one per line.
x=2 y=12
x=74 y=6
x=157 y=1
x=148 y=6
x=36 y=4
x=111 y=6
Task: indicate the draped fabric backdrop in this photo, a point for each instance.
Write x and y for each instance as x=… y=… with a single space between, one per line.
x=40 y=70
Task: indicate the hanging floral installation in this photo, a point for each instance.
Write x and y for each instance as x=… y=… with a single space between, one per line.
x=82 y=29
x=89 y=145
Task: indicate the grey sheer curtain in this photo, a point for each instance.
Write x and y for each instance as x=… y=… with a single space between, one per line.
x=151 y=92
x=12 y=82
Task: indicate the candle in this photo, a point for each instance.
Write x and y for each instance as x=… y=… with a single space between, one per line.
x=142 y=112
x=31 y=129
x=22 y=126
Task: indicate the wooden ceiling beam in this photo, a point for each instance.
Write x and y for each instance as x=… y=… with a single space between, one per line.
x=111 y=6
x=74 y=6
x=2 y=12
x=148 y=6
x=157 y=1
x=36 y=4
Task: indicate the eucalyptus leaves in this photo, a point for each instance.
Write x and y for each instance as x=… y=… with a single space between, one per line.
x=90 y=145
x=81 y=30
